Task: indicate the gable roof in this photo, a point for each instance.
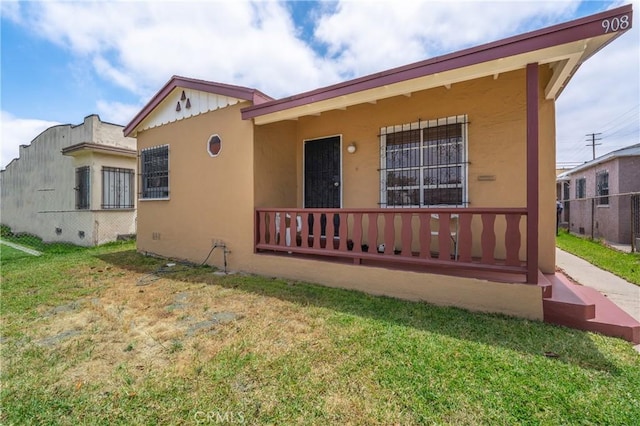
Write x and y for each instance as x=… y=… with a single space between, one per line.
x=237 y=92
x=629 y=151
x=564 y=47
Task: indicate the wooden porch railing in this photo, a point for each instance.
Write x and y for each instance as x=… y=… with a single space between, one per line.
x=470 y=238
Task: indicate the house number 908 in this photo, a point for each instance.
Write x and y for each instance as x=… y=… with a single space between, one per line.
x=616 y=24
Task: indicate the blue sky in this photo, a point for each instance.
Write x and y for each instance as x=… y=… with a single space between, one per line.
x=62 y=61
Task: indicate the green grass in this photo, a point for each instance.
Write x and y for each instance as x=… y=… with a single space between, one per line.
x=624 y=265
x=297 y=354
x=8 y=253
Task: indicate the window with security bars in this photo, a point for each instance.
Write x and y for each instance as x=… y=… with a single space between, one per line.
x=117 y=188
x=424 y=164
x=581 y=188
x=602 y=188
x=82 y=188
x=154 y=172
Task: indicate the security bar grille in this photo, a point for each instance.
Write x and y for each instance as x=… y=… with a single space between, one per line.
x=117 y=188
x=82 y=188
x=424 y=163
x=154 y=164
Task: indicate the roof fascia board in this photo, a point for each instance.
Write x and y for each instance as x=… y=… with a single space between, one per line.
x=580 y=29
x=94 y=147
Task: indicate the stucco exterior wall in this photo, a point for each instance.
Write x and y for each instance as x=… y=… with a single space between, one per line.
x=496 y=110
x=213 y=199
x=210 y=198
x=38 y=195
x=611 y=222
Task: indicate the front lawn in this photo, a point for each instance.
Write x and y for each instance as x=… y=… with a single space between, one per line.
x=93 y=337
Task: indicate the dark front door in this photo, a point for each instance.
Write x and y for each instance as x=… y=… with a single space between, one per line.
x=322 y=175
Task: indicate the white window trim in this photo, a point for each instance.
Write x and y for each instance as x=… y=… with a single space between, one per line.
x=140 y=197
x=209 y=143
x=419 y=125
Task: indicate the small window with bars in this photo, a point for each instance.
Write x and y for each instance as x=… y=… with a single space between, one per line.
x=602 y=188
x=154 y=172
x=82 y=188
x=581 y=188
x=424 y=163
x=117 y=188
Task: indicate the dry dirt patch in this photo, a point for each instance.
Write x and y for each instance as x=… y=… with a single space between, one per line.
x=168 y=325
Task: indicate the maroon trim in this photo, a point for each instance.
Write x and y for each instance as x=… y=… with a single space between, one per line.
x=579 y=29
x=532 y=173
x=239 y=92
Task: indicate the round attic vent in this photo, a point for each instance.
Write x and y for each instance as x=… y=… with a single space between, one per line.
x=214 y=145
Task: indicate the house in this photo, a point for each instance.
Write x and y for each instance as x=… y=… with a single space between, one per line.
x=73 y=183
x=433 y=181
x=597 y=196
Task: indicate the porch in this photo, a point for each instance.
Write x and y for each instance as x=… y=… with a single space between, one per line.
x=473 y=242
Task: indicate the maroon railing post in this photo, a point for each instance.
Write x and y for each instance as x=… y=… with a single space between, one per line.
x=465 y=237
x=406 y=234
x=357 y=232
x=512 y=239
x=329 y=232
x=425 y=235
x=344 y=231
x=389 y=232
x=272 y=227
x=304 y=233
x=317 y=217
x=488 y=238
x=444 y=236
x=373 y=232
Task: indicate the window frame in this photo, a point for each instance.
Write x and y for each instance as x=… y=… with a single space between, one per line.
x=581 y=188
x=602 y=189
x=422 y=167
x=149 y=193
x=123 y=176
x=83 y=188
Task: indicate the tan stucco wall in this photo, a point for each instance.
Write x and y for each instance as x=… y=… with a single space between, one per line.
x=211 y=198
x=214 y=198
x=520 y=300
x=496 y=110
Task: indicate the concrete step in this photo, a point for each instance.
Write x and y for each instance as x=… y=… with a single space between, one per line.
x=584 y=308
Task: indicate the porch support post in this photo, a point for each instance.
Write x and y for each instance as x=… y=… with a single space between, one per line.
x=532 y=173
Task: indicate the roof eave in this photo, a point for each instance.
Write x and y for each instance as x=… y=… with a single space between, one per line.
x=238 y=92
x=563 y=34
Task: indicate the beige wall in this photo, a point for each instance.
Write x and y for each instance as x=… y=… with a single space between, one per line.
x=214 y=198
x=496 y=110
x=211 y=198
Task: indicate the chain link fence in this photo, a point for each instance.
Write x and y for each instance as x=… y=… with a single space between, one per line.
x=614 y=218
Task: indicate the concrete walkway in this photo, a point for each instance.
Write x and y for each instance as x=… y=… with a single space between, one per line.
x=21 y=248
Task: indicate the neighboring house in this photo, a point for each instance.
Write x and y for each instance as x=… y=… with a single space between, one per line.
x=434 y=181
x=597 y=195
x=73 y=184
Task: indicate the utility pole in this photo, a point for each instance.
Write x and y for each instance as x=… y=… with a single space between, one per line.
x=593 y=143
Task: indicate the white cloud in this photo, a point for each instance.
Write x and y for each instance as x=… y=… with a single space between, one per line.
x=117 y=112
x=18 y=131
x=138 y=46
x=603 y=96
